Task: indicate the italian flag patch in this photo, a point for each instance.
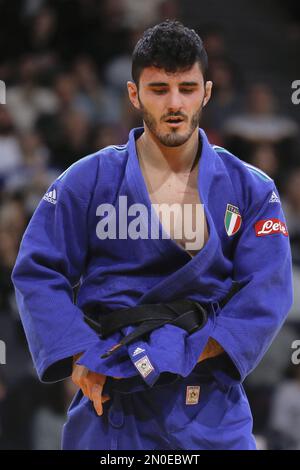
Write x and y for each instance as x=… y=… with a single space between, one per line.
x=233 y=219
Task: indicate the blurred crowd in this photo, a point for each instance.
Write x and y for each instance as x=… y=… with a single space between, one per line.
x=65 y=65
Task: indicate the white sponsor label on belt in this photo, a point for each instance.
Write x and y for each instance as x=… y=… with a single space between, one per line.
x=192 y=395
x=144 y=366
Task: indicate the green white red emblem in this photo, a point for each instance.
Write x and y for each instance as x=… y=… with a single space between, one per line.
x=233 y=219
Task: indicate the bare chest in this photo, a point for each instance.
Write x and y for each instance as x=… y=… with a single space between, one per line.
x=175 y=198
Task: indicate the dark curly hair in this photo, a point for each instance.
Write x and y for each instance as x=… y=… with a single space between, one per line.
x=170 y=46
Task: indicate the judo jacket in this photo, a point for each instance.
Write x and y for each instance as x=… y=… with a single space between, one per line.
x=65 y=247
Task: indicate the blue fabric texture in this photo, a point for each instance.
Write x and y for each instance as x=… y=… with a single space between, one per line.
x=61 y=249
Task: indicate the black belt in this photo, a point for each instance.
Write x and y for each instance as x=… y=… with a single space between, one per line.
x=186 y=314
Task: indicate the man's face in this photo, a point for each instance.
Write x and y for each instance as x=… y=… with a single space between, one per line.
x=171 y=103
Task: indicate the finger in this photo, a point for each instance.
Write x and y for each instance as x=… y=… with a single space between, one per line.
x=83 y=381
x=85 y=388
x=97 y=399
x=93 y=379
x=90 y=384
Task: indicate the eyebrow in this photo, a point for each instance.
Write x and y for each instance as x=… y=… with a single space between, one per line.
x=157 y=84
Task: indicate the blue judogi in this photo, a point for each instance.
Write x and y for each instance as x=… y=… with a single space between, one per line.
x=248 y=244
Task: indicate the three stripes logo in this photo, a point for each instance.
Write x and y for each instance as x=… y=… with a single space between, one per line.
x=137 y=351
x=51 y=197
x=274 y=197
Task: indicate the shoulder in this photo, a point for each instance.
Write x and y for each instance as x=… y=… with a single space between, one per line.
x=251 y=184
x=86 y=166
x=85 y=170
x=244 y=170
x=80 y=179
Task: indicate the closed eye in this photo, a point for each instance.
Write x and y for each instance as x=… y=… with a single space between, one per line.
x=187 y=90
x=161 y=91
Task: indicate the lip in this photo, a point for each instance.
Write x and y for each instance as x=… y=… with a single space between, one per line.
x=174 y=124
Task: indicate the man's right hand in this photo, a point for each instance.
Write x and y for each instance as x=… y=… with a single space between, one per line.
x=91 y=384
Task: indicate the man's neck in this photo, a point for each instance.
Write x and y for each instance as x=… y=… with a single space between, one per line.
x=168 y=159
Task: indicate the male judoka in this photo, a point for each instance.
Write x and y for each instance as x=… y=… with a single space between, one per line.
x=163 y=328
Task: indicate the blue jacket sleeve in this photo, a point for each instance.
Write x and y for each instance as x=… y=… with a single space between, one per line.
x=248 y=323
x=50 y=263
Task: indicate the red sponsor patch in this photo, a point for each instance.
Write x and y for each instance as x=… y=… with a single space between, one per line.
x=270 y=226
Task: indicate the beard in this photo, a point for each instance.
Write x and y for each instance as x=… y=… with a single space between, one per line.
x=172 y=138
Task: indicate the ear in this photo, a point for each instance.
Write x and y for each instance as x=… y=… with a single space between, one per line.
x=133 y=94
x=207 y=94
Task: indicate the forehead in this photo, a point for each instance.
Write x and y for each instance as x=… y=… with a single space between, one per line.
x=157 y=75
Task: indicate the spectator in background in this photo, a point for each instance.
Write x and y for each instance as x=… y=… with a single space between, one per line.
x=227 y=82
x=27 y=99
x=139 y=14
x=285 y=412
x=11 y=155
x=34 y=175
x=214 y=40
x=105 y=135
x=49 y=417
x=67 y=131
x=8 y=249
x=67 y=92
x=226 y=100
x=110 y=37
x=268 y=412
x=265 y=157
x=100 y=102
x=76 y=139
x=17 y=382
x=42 y=37
x=260 y=123
x=291 y=204
x=118 y=70
x=261 y=383
x=13 y=221
x=129 y=116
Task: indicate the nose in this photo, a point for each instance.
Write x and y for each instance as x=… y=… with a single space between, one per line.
x=175 y=101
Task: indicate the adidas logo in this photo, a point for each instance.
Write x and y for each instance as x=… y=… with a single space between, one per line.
x=274 y=197
x=51 y=197
x=137 y=351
